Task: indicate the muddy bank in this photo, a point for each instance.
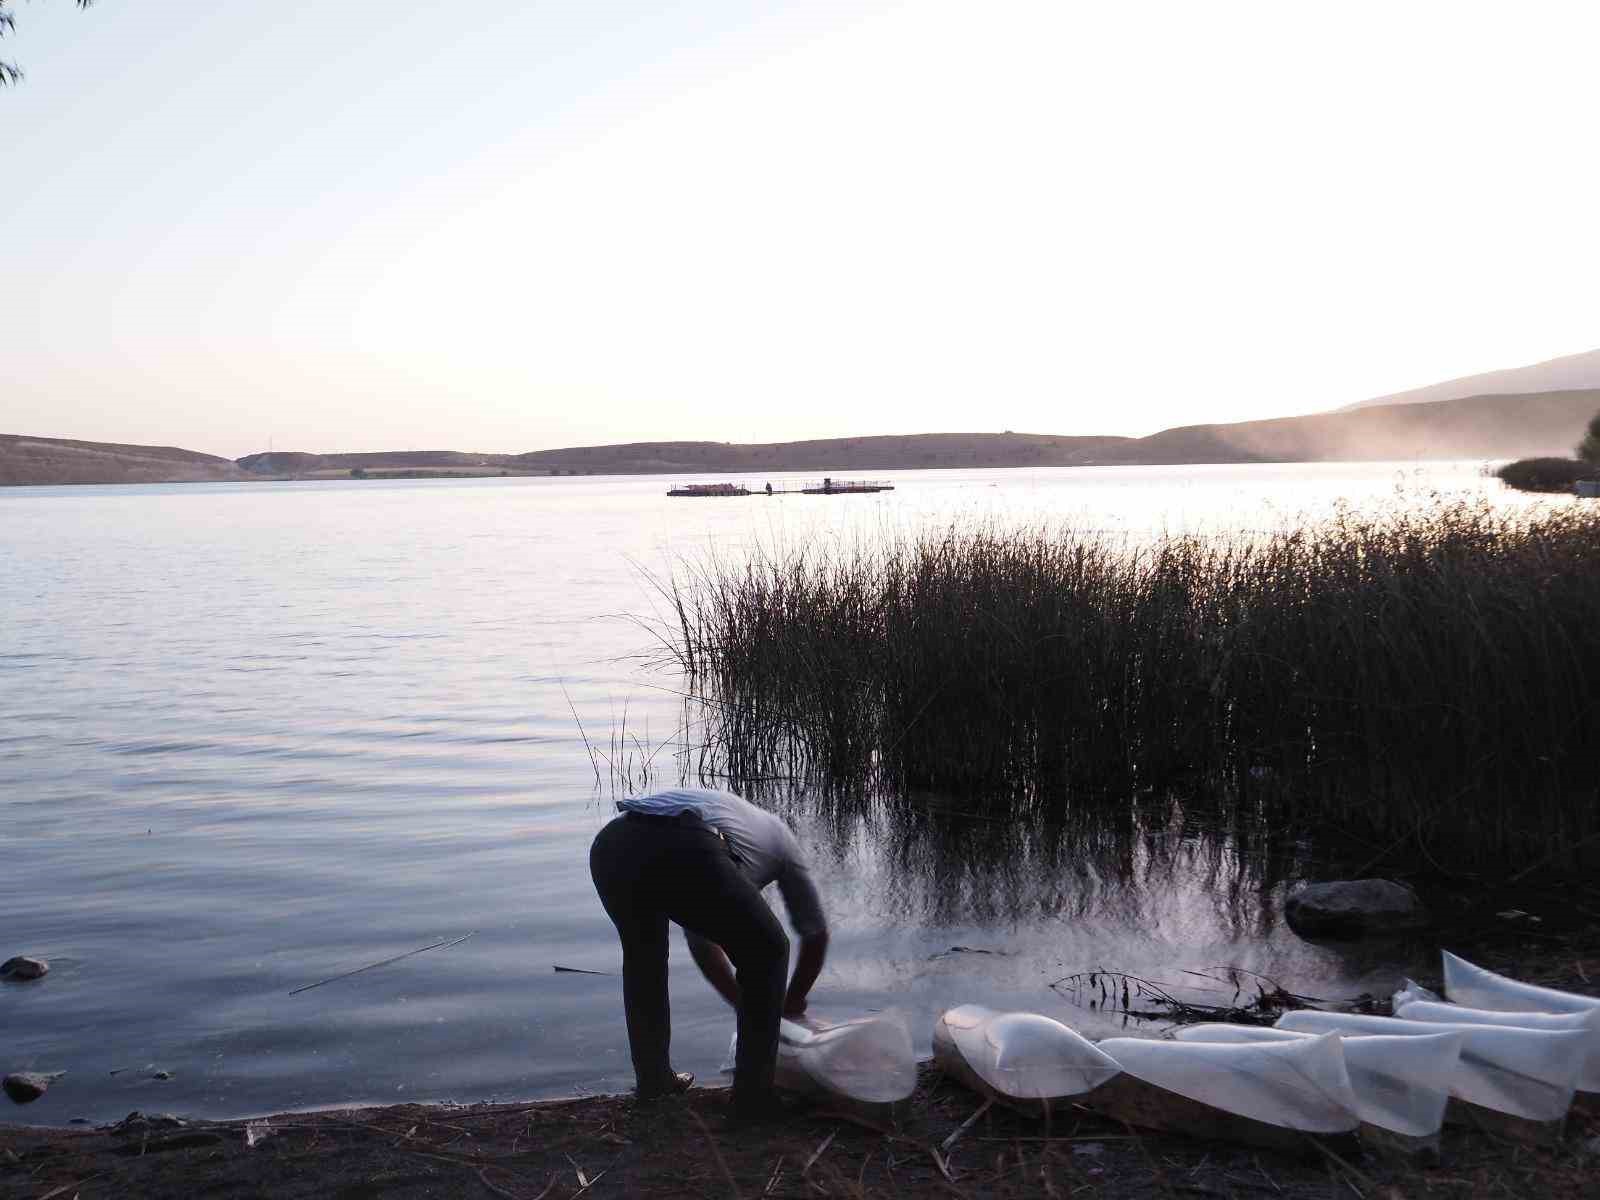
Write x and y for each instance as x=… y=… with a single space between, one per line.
x=611 y=1146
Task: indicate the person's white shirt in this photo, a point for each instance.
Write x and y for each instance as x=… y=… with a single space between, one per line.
x=766 y=848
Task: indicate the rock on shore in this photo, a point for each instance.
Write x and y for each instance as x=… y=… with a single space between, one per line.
x=23 y=967
x=1352 y=908
x=24 y=1087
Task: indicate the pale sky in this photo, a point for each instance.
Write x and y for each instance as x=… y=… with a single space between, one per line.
x=510 y=225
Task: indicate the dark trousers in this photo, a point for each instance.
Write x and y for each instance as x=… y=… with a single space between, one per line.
x=649 y=870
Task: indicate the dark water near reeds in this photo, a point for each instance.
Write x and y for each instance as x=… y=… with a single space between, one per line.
x=255 y=736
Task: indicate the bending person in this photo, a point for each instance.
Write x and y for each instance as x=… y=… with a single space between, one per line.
x=700 y=858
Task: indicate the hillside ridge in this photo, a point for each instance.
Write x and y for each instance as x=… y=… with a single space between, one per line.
x=1487 y=427
x=28 y=460
x=1570 y=372
x=1475 y=427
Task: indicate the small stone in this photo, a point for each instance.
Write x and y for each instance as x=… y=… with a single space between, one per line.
x=138 y=1122
x=24 y=1087
x=1351 y=908
x=23 y=967
x=162 y=1075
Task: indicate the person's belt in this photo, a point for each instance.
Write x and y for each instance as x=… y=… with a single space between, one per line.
x=687 y=817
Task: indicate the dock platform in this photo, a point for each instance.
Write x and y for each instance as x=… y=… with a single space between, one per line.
x=828 y=486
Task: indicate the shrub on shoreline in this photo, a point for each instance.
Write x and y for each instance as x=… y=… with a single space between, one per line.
x=1545 y=474
x=1428 y=676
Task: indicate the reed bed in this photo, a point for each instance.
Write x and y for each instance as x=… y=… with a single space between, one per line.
x=1426 y=677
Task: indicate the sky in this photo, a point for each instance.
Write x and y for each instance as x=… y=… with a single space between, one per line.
x=513 y=225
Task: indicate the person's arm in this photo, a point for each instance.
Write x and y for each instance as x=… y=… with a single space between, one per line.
x=805 y=914
x=807 y=966
x=714 y=965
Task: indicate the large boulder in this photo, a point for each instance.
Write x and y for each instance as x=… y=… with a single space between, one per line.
x=23 y=967
x=1353 y=908
x=24 y=1087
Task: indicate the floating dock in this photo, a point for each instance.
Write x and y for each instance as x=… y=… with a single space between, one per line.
x=709 y=489
x=827 y=487
x=843 y=487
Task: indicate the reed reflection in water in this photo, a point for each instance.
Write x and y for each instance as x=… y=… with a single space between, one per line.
x=963 y=906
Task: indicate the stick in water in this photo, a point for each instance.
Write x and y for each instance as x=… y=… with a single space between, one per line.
x=384 y=963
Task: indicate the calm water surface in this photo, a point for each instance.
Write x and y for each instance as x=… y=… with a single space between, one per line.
x=252 y=736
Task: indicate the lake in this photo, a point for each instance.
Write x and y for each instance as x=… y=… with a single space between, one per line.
x=254 y=736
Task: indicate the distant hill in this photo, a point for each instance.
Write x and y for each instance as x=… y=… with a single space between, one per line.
x=37 y=460
x=1526 y=425
x=1574 y=372
x=297 y=464
x=1483 y=427
x=898 y=452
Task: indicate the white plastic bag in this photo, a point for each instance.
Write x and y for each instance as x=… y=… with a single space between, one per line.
x=1017 y=1055
x=869 y=1060
x=1528 y=1073
x=1401 y=1084
x=1300 y=1084
x=1589 y=1022
x=1476 y=987
x=1411 y=990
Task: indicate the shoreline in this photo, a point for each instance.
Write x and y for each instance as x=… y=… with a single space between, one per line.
x=612 y=1146
x=1486 y=467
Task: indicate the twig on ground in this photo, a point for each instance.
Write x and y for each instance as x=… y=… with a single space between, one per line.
x=955 y=1137
x=67 y=1187
x=1267 y=1177
x=483 y=1178
x=928 y=1149
x=772 y=1180
x=716 y=1152
x=818 y=1152
x=1351 y=1174
x=1087 y=1137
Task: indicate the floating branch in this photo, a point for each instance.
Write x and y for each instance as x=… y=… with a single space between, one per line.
x=1133 y=996
x=335 y=978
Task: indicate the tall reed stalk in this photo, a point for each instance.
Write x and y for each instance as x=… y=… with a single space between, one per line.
x=1428 y=677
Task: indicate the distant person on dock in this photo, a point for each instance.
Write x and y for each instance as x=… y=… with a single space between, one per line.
x=700 y=858
x=769 y=487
